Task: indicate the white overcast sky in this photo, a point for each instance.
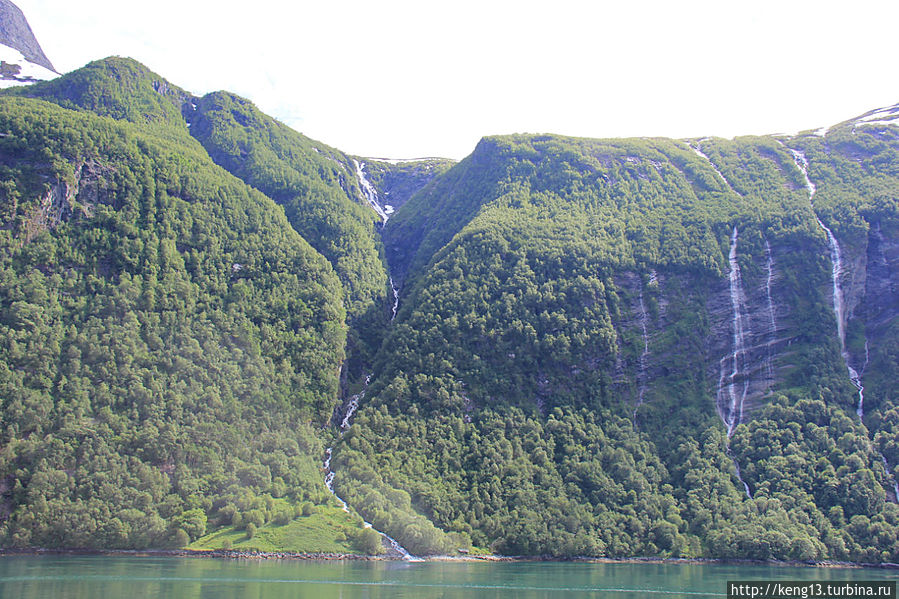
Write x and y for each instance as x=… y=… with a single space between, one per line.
x=429 y=78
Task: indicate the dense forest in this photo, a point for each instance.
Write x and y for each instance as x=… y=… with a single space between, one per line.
x=602 y=347
x=553 y=383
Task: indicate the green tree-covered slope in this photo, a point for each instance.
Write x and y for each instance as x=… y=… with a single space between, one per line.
x=315 y=184
x=169 y=342
x=237 y=374
x=604 y=347
x=559 y=378
x=120 y=88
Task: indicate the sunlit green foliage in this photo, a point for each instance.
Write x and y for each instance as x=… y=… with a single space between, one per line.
x=170 y=346
x=315 y=184
x=504 y=392
x=166 y=342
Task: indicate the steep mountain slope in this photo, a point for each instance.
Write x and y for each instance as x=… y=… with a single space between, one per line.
x=15 y=33
x=119 y=88
x=22 y=61
x=606 y=344
x=194 y=336
x=603 y=347
x=317 y=186
x=167 y=338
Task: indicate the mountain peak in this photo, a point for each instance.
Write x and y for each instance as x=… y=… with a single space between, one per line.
x=16 y=33
x=121 y=88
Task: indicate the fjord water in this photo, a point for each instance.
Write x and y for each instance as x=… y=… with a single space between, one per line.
x=79 y=577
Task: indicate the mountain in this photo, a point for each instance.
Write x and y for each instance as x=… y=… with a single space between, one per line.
x=22 y=60
x=644 y=347
x=557 y=346
x=171 y=344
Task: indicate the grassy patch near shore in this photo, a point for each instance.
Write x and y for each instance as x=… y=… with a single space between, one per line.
x=328 y=530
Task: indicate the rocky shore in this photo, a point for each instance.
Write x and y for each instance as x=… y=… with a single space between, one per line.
x=287 y=555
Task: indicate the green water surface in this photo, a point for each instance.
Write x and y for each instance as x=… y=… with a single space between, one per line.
x=92 y=577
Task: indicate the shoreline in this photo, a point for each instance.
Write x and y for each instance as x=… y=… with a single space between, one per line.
x=287 y=555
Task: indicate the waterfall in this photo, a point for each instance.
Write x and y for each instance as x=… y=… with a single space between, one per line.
x=371 y=196
x=769 y=369
x=641 y=375
x=857 y=381
x=836 y=256
x=329 y=480
x=345 y=424
x=352 y=406
x=886 y=467
x=730 y=400
x=739 y=474
x=396 y=299
x=701 y=154
x=369 y=191
x=839 y=309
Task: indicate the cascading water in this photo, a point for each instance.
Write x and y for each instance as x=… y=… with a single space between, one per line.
x=886 y=467
x=729 y=399
x=698 y=151
x=836 y=256
x=860 y=410
x=345 y=424
x=396 y=299
x=769 y=261
x=371 y=194
x=641 y=376
x=740 y=474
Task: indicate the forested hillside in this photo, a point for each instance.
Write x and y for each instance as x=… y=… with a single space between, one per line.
x=168 y=339
x=607 y=346
x=599 y=347
x=171 y=344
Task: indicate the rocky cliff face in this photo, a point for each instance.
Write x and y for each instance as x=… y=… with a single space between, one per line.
x=880 y=304
x=398 y=180
x=16 y=33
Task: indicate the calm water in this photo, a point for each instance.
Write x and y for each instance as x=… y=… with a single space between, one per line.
x=174 y=578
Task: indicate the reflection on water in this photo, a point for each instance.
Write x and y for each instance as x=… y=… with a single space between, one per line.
x=71 y=577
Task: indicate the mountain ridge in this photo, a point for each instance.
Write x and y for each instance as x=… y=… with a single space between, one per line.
x=618 y=347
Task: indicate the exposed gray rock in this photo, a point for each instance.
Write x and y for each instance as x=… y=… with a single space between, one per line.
x=16 y=33
x=767 y=330
x=881 y=284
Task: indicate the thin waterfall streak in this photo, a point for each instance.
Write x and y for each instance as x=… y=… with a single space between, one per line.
x=733 y=414
x=891 y=476
x=396 y=299
x=698 y=151
x=856 y=378
x=836 y=256
x=345 y=424
x=737 y=358
x=641 y=376
x=368 y=191
x=769 y=368
x=740 y=474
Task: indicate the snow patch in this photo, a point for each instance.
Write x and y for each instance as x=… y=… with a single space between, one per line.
x=27 y=72
x=396 y=161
